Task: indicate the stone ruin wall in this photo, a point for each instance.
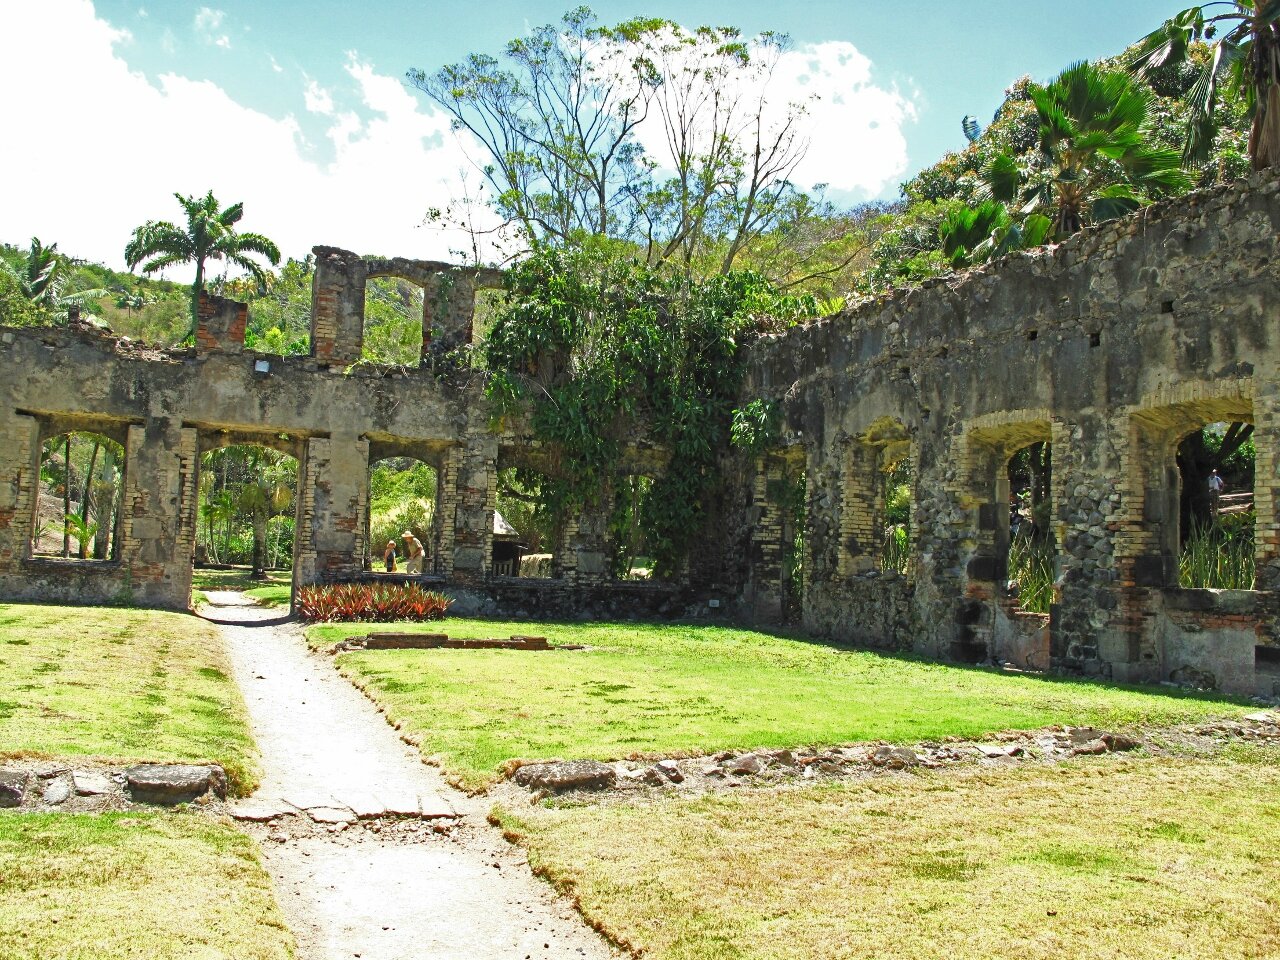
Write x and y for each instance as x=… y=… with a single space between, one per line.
x=1112 y=346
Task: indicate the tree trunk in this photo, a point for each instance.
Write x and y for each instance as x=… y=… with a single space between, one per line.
x=260 y=518
x=87 y=498
x=196 y=289
x=106 y=527
x=66 y=498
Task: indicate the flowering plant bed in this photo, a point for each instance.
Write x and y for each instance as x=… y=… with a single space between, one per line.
x=370 y=602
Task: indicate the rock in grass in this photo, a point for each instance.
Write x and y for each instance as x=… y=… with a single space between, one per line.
x=895 y=758
x=13 y=787
x=174 y=783
x=748 y=763
x=89 y=783
x=567 y=775
x=56 y=792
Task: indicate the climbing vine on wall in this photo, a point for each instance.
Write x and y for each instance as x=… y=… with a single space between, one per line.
x=601 y=349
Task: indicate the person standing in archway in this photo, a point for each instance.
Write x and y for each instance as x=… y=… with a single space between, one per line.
x=1215 y=492
x=416 y=554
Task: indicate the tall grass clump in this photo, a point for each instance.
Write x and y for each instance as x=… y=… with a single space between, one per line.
x=1219 y=555
x=1031 y=563
x=896 y=553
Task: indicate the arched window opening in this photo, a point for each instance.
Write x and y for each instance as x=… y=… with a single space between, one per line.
x=78 y=513
x=247 y=496
x=1216 y=516
x=394 y=320
x=1032 y=550
x=404 y=517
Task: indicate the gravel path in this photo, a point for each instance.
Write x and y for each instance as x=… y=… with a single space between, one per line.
x=373 y=855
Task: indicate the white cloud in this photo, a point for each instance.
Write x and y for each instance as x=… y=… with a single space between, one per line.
x=856 y=140
x=208 y=23
x=852 y=128
x=317 y=99
x=385 y=171
x=275 y=64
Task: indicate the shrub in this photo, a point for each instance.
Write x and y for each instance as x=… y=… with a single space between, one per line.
x=1031 y=569
x=371 y=602
x=1219 y=555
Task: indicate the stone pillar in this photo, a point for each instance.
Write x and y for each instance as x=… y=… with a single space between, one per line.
x=333 y=500
x=584 y=546
x=476 y=493
x=447 y=509
x=337 y=307
x=19 y=489
x=449 y=299
x=1266 y=484
x=159 y=490
x=860 y=510
x=221 y=325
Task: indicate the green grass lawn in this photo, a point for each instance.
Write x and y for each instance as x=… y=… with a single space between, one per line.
x=1140 y=858
x=160 y=886
x=271 y=592
x=275 y=595
x=121 y=685
x=669 y=689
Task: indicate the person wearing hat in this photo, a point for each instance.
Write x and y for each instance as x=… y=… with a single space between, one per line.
x=389 y=556
x=413 y=547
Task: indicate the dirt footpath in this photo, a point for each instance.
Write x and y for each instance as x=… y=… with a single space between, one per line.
x=373 y=855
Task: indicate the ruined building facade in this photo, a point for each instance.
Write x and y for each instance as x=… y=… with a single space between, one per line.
x=1111 y=347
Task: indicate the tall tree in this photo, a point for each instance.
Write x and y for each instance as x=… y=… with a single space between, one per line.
x=1245 y=35
x=210 y=234
x=560 y=120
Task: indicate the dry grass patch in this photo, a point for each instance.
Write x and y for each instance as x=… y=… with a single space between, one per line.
x=1135 y=857
x=122 y=686
x=159 y=886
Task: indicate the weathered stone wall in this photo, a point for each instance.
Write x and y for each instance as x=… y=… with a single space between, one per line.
x=1112 y=347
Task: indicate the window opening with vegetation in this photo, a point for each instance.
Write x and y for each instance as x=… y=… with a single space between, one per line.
x=246 y=508
x=78 y=512
x=896 y=484
x=1032 y=549
x=629 y=557
x=534 y=532
x=393 y=322
x=1216 y=508
x=403 y=498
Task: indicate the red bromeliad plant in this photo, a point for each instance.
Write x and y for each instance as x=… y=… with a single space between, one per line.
x=372 y=602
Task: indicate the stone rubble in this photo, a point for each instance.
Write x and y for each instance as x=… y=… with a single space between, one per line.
x=729 y=769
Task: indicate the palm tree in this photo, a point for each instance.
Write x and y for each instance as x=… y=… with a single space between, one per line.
x=210 y=235
x=42 y=277
x=1094 y=161
x=1246 y=52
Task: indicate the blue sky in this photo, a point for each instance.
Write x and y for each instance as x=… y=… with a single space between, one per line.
x=298 y=109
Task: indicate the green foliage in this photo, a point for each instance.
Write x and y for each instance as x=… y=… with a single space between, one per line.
x=755 y=426
x=1219 y=555
x=370 y=602
x=393 y=322
x=1031 y=568
x=16 y=308
x=210 y=234
x=1245 y=42
x=604 y=350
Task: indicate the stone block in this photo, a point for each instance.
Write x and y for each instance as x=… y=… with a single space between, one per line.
x=13 y=787
x=170 y=784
